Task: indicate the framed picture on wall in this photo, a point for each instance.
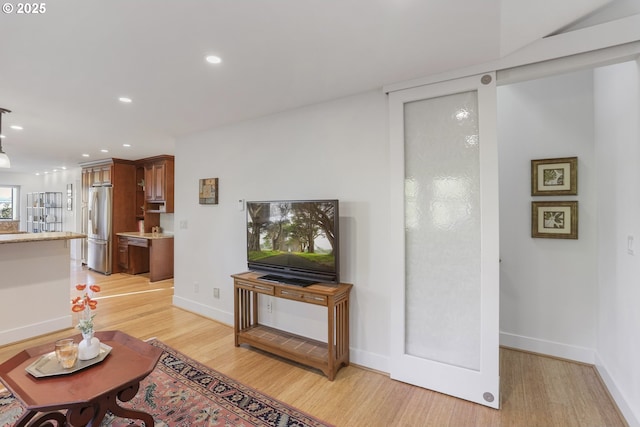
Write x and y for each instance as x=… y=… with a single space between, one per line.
x=554 y=177
x=554 y=220
x=208 y=191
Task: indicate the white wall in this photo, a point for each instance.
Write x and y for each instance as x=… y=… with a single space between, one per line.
x=575 y=299
x=56 y=182
x=617 y=113
x=337 y=150
x=548 y=293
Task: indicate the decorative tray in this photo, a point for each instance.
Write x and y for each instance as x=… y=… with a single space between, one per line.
x=48 y=366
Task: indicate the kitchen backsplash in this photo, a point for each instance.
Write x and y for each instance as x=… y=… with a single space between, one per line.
x=166 y=222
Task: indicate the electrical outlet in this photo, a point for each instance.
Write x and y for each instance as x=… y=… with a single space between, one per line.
x=196 y=287
x=216 y=292
x=184 y=224
x=269 y=307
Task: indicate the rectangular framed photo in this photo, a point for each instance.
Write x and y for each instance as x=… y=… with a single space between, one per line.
x=208 y=191
x=554 y=177
x=554 y=220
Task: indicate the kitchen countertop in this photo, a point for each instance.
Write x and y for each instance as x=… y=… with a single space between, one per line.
x=39 y=237
x=146 y=235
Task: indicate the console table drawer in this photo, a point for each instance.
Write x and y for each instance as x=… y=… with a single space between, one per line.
x=302 y=296
x=259 y=288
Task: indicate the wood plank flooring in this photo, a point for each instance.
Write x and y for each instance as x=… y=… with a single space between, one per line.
x=536 y=390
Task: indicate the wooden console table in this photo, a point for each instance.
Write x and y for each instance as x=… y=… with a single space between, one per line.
x=329 y=356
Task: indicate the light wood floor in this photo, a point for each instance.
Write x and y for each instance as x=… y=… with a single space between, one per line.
x=536 y=390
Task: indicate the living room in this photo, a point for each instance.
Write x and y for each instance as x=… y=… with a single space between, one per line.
x=551 y=290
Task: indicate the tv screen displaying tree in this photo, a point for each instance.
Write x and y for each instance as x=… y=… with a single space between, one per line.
x=294 y=238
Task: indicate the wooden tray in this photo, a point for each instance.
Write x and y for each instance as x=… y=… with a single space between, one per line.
x=47 y=365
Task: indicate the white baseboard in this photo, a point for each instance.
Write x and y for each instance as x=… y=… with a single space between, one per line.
x=632 y=419
x=551 y=348
x=34 y=330
x=369 y=360
x=205 y=310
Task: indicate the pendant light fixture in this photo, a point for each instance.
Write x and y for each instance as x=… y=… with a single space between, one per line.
x=4 y=159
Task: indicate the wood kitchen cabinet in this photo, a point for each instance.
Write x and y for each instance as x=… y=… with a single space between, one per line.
x=133 y=255
x=159 y=183
x=102 y=174
x=155 y=174
x=123 y=254
x=146 y=252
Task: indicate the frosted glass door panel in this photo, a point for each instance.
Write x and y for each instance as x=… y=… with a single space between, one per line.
x=442 y=226
x=444 y=238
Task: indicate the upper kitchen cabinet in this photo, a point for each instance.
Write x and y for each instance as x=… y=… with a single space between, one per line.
x=101 y=175
x=159 y=183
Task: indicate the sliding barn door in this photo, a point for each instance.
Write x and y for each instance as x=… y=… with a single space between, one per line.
x=444 y=219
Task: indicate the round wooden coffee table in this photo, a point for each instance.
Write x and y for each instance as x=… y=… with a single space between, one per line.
x=88 y=394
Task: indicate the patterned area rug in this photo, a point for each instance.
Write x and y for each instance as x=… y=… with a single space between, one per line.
x=182 y=392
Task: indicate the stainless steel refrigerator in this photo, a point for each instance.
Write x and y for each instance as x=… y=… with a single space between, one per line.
x=99 y=229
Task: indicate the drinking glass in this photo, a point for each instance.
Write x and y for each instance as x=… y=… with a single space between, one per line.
x=66 y=352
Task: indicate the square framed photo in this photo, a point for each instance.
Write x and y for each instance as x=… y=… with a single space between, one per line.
x=554 y=177
x=208 y=191
x=554 y=220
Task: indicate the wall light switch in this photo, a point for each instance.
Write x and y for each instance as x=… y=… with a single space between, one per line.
x=630 y=245
x=240 y=204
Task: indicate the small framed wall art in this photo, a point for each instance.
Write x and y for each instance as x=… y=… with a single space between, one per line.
x=554 y=220
x=208 y=191
x=554 y=177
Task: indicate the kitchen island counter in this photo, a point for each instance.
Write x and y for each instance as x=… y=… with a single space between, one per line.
x=39 y=237
x=35 y=290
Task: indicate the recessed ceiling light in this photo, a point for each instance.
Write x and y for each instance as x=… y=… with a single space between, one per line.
x=64 y=168
x=125 y=99
x=16 y=127
x=85 y=155
x=2 y=136
x=104 y=150
x=212 y=59
x=126 y=145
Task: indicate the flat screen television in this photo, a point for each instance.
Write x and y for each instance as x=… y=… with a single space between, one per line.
x=294 y=241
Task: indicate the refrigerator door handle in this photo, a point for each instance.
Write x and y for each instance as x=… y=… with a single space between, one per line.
x=92 y=212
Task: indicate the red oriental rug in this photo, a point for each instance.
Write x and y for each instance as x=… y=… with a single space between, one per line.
x=183 y=392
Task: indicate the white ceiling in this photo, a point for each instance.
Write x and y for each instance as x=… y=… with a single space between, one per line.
x=61 y=72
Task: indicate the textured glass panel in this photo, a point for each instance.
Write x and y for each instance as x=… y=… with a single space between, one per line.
x=442 y=226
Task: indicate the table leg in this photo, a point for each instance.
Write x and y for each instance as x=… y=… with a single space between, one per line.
x=93 y=413
x=124 y=395
x=43 y=420
x=109 y=402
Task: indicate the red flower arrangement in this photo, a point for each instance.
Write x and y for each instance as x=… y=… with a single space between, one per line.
x=84 y=304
